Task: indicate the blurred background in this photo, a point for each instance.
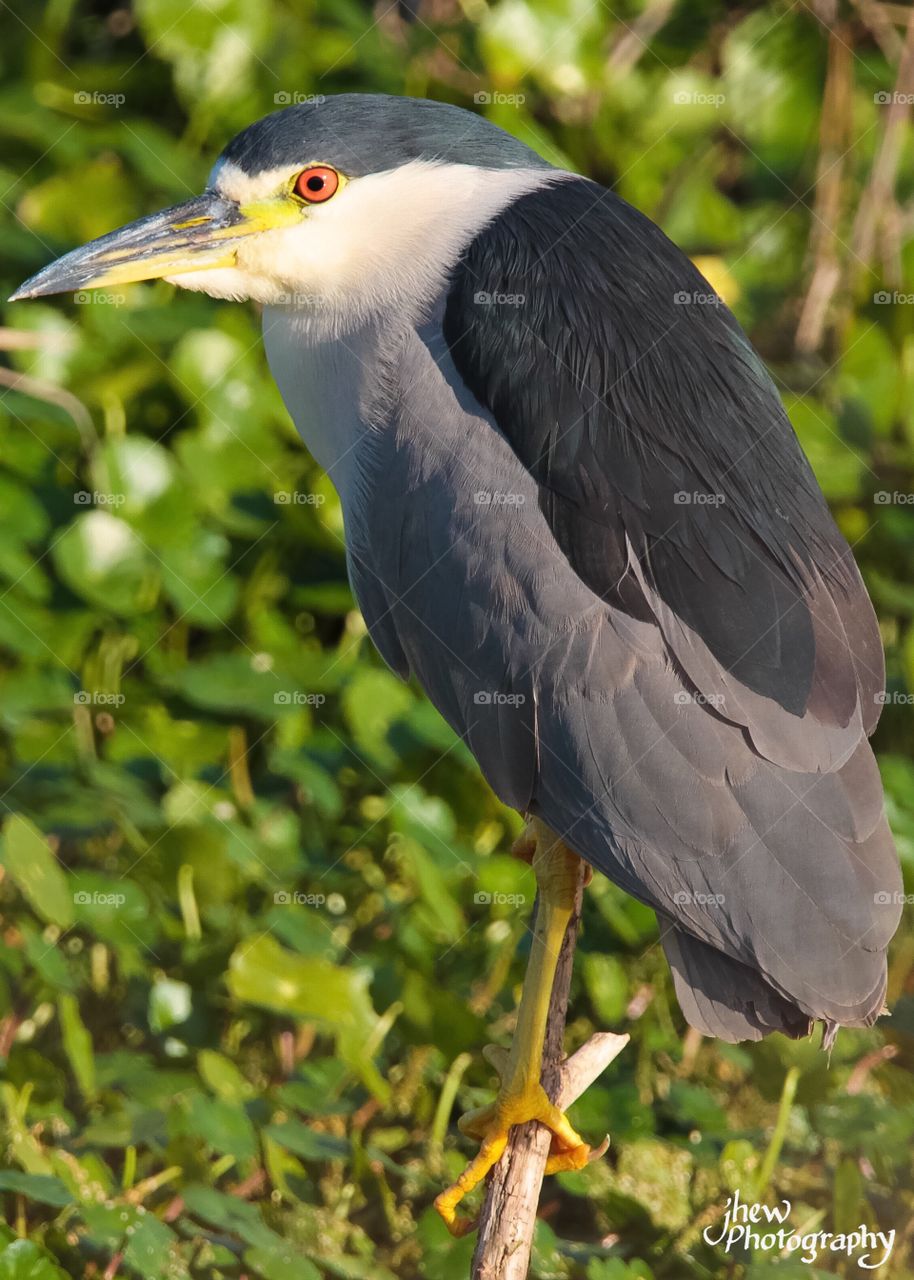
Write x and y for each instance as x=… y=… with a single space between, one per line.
x=258 y=914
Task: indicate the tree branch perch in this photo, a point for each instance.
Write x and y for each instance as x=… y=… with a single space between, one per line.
x=508 y=1215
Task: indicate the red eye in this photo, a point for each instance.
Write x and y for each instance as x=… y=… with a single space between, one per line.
x=317 y=184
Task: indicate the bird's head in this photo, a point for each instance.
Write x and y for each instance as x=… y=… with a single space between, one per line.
x=348 y=203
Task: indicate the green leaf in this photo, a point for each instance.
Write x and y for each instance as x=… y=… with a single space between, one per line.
x=607 y=986
x=151 y=1249
x=231 y=1214
x=373 y=701
x=617 y=1269
x=224 y=1125
x=849 y=1201
x=23 y=1260
x=308 y=1143
x=261 y=972
x=37 y=1187
x=101 y=558
x=78 y=1045
x=34 y=869
x=283 y=1262
x=222 y=1076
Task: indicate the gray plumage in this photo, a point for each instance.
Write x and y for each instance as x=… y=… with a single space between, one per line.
x=774 y=886
x=366 y=133
x=577 y=514
x=682 y=691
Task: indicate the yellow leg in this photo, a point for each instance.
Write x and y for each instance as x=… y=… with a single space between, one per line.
x=521 y=1097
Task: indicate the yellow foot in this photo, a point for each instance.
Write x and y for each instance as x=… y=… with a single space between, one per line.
x=491 y=1125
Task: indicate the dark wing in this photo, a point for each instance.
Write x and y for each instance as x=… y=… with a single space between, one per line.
x=668 y=470
x=672 y=481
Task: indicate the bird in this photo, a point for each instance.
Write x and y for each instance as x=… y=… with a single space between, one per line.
x=577 y=514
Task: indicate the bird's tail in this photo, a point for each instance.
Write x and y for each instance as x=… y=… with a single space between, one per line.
x=721 y=997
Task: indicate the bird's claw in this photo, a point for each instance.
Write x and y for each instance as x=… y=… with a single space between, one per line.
x=491 y=1126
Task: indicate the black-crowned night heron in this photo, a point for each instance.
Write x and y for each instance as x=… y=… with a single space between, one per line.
x=577 y=513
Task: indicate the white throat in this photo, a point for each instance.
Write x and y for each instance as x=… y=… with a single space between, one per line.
x=378 y=258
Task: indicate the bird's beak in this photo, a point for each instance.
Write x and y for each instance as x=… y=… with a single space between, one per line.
x=200 y=234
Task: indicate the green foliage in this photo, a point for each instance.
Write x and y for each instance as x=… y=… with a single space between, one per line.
x=256 y=899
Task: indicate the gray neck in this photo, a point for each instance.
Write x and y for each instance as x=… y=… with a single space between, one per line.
x=332 y=386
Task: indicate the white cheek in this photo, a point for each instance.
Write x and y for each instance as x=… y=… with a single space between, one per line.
x=386 y=242
x=383 y=245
